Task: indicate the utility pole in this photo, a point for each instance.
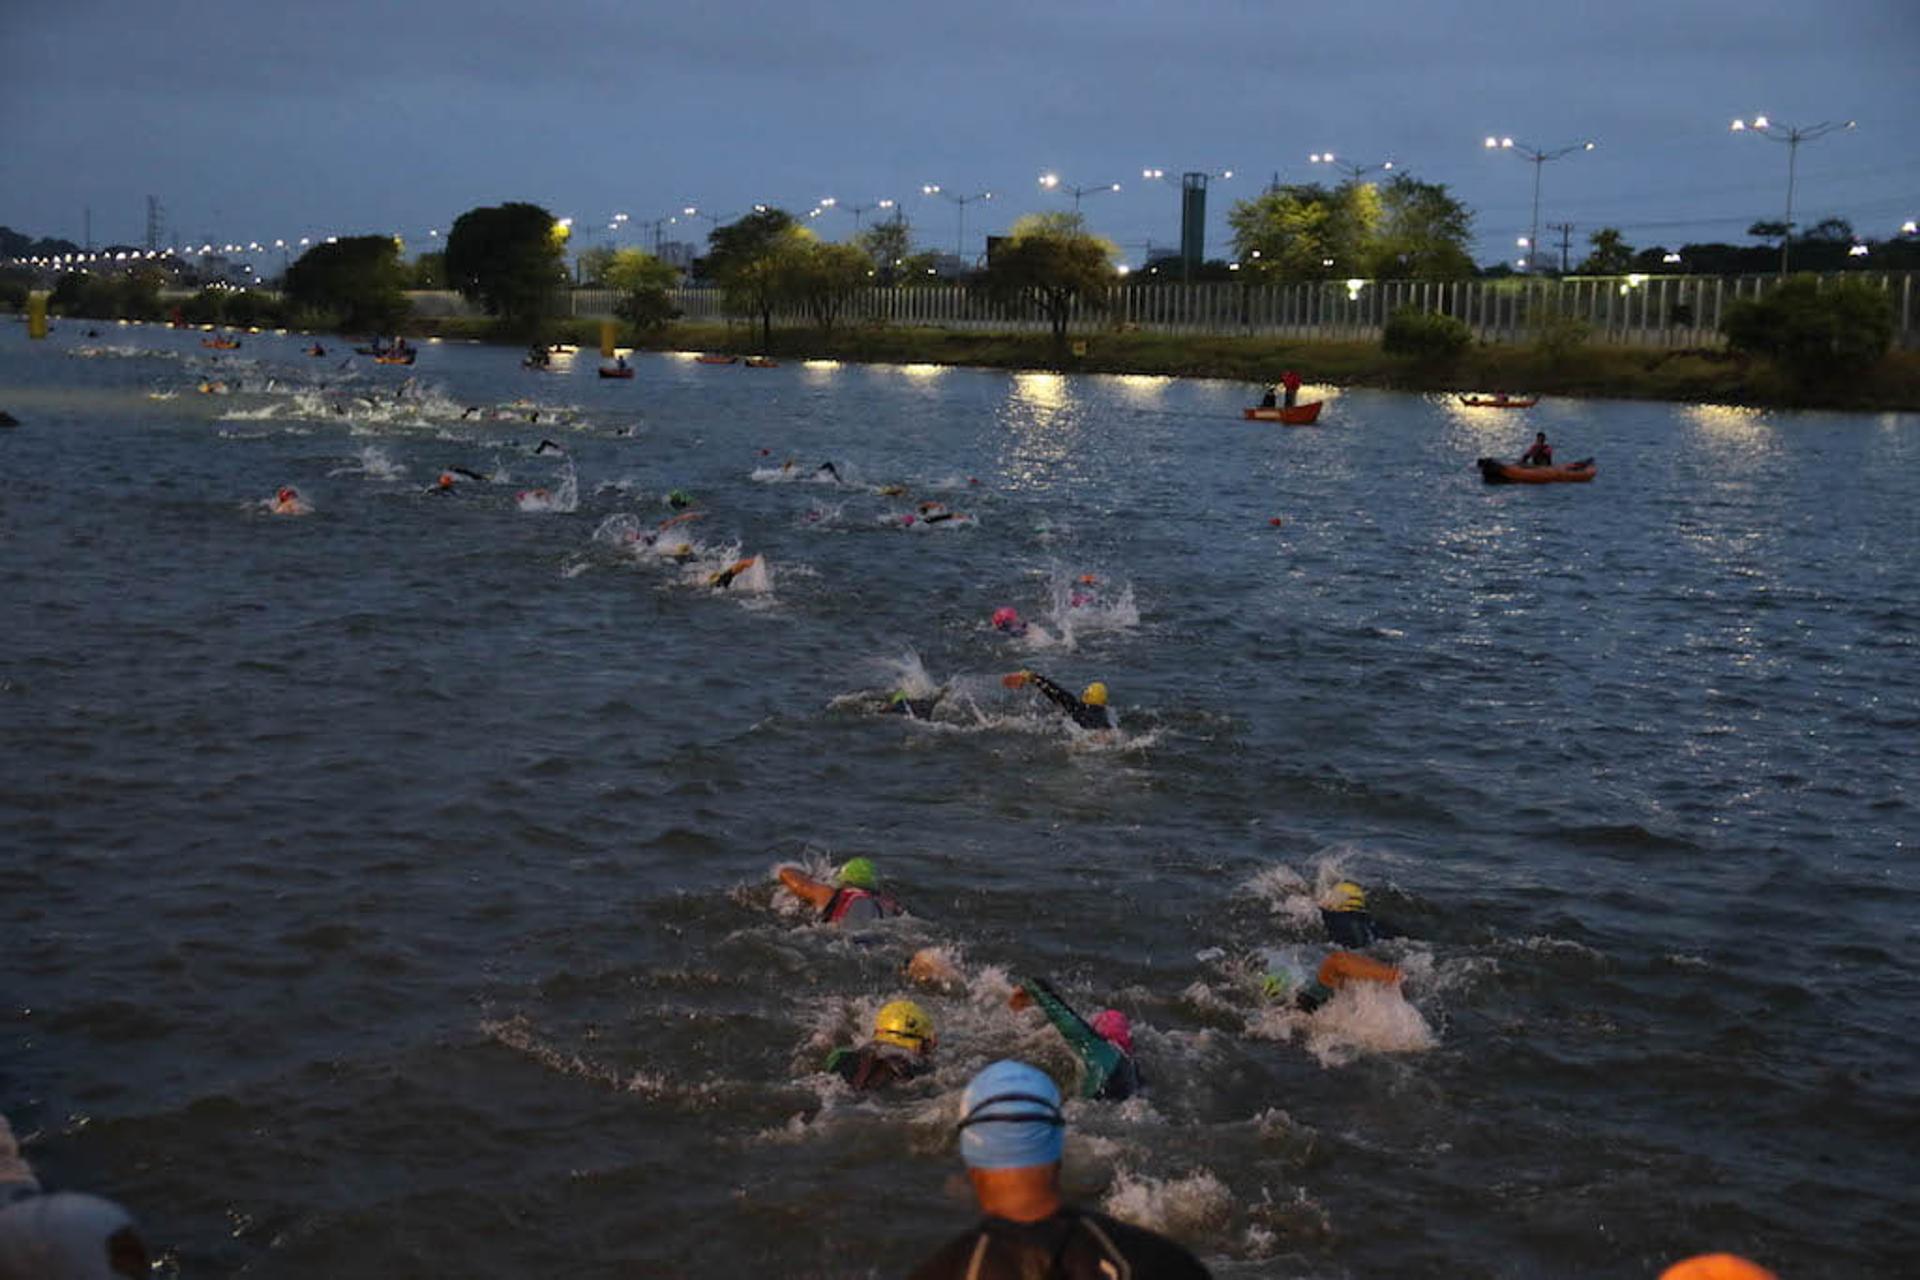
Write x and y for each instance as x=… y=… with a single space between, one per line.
x=1566 y=242
x=153 y=222
x=88 y=224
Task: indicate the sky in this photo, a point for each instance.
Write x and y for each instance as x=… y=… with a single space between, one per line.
x=269 y=119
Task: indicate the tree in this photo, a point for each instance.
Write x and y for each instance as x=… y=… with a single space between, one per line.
x=642 y=281
x=749 y=259
x=888 y=245
x=593 y=265
x=1611 y=255
x=1816 y=335
x=1423 y=233
x=429 y=271
x=358 y=279
x=824 y=278
x=1042 y=265
x=508 y=258
x=1306 y=232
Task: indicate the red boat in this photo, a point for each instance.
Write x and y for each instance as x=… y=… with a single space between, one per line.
x=1500 y=402
x=717 y=359
x=1494 y=471
x=623 y=371
x=762 y=362
x=1297 y=415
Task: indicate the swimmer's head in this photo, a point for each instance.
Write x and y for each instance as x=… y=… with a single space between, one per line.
x=1347 y=896
x=859 y=873
x=1095 y=694
x=1006 y=617
x=1114 y=1027
x=286 y=494
x=446 y=480
x=1087 y=579
x=1010 y=1118
x=905 y=1025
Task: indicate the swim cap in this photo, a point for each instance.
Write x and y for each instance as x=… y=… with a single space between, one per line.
x=1113 y=1025
x=905 y=1025
x=680 y=498
x=1087 y=579
x=1716 y=1266
x=1095 y=695
x=1347 y=896
x=446 y=480
x=1006 y=616
x=1010 y=1118
x=69 y=1236
x=858 y=873
x=286 y=495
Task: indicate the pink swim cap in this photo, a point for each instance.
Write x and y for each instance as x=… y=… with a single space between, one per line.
x=1006 y=616
x=1113 y=1026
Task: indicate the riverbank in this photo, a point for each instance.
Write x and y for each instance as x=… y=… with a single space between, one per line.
x=1698 y=375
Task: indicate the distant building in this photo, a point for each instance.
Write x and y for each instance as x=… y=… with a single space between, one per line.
x=678 y=253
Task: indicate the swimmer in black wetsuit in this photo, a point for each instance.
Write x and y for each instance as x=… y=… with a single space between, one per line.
x=546 y=447
x=900 y=702
x=829 y=470
x=1089 y=710
x=1348 y=922
x=901 y=1049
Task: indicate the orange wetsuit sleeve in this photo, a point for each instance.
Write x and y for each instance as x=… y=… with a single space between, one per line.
x=813 y=892
x=1344 y=966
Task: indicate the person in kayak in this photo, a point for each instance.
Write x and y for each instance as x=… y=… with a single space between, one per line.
x=1012 y=1132
x=1344 y=914
x=1271 y=400
x=900 y=1050
x=1089 y=710
x=1340 y=969
x=1540 y=455
x=1104 y=1044
x=854 y=897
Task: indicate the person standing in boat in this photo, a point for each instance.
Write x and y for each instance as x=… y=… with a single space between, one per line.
x=1290 y=381
x=1540 y=455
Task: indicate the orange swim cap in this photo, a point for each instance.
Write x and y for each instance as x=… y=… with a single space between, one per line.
x=1716 y=1266
x=446 y=479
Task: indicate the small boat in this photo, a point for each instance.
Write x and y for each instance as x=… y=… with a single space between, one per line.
x=1296 y=415
x=717 y=359
x=622 y=371
x=762 y=362
x=1494 y=471
x=221 y=344
x=1501 y=401
x=564 y=349
x=393 y=358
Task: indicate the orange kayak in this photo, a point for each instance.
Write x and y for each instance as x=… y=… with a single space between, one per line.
x=717 y=359
x=1299 y=415
x=1494 y=471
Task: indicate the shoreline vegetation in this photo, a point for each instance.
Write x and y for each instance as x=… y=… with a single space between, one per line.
x=1699 y=375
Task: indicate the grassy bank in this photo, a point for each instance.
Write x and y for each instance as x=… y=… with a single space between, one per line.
x=1703 y=375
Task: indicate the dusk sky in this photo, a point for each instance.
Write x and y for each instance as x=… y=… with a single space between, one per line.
x=252 y=121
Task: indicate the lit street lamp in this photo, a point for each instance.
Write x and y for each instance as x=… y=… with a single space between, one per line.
x=1354 y=171
x=1539 y=159
x=857 y=210
x=1051 y=181
x=1793 y=136
x=960 y=233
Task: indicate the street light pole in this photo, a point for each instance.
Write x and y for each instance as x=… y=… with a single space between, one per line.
x=960 y=233
x=1539 y=159
x=1353 y=171
x=1793 y=136
x=1051 y=181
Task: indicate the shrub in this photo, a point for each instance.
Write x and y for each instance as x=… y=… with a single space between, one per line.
x=1815 y=335
x=1559 y=335
x=1424 y=335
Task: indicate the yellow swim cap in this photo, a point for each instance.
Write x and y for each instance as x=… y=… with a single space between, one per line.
x=1095 y=695
x=904 y=1024
x=1347 y=896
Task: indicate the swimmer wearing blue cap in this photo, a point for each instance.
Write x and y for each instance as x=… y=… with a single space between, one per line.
x=1012 y=1132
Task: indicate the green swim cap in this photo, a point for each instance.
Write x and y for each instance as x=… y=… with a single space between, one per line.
x=858 y=873
x=1274 y=986
x=680 y=498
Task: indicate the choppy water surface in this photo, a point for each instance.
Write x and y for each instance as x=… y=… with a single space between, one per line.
x=386 y=890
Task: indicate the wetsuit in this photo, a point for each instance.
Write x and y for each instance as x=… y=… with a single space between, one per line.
x=858 y=906
x=1073 y=1244
x=918 y=708
x=829 y=469
x=1355 y=929
x=1110 y=1074
x=1084 y=715
x=875 y=1066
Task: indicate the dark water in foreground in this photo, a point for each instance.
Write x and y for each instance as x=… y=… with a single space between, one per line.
x=385 y=892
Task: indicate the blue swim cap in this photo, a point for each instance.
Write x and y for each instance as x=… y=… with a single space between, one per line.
x=1010 y=1118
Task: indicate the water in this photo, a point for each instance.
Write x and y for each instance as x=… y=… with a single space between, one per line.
x=387 y=889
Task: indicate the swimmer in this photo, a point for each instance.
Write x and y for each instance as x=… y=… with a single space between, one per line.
x=1007 y=620
x=1104 y=1045
x=917 y=706
x=546 y=447
x=1338 y=970
x=1012 y=1132
x=1078 y=599
x=853 y=898
x=287 y=502
x=1089 y=710
x=892 y=491
x=679 y=498
x=61 y=1235
x=1348 y=922
x=722 y=580
x=901 y=1049
x=316 y=350
x=828 y=470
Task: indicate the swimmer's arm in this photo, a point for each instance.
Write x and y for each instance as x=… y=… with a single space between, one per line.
x=814 y=893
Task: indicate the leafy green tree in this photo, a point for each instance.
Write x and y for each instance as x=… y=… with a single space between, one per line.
x=887 y=245
x=1306 y=231
x=593 y=265
x=750 y=258
x=642 y=281
x=509 y=259
x=1423 y=233
x=1043 y=266
x=359 y=279
x=1817 y=335
x=825 y=279
x=1611 y=255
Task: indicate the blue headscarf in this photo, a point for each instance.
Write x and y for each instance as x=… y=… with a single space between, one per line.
x=1010 y=1118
